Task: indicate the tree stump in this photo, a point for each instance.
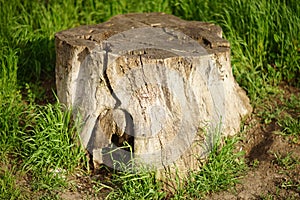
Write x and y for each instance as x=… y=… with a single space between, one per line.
x=161 y=84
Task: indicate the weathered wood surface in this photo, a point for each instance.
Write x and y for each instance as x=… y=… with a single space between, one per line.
x=158 y=82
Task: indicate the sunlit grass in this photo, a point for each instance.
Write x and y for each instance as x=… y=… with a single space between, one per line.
x=221 y=171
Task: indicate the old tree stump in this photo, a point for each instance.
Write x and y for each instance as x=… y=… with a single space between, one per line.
x=161 y=84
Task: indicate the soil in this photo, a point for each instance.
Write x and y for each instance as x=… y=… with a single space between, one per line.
x=267 y=177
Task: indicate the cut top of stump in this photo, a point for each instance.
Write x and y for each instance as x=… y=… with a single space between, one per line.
x=206 y=34
x=156 y=81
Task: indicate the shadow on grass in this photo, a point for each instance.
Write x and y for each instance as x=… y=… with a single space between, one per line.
x=36 y=67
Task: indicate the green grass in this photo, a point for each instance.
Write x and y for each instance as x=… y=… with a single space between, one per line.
x=264 y=36
x=284 y=112
x=50 y=143
x=289 y=166
x=33 y=139
x=37 y=139
x=136 y=186
x=221 y=171
x=8 y=186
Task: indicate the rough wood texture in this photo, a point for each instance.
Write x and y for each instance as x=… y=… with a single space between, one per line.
x=158 y=82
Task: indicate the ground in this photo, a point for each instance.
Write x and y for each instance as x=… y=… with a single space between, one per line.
x=273 y=161
x=273 y=172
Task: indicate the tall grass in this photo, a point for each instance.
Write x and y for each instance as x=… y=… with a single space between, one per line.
x=33 y=139
x=50 y=142
x=11 y=107
x=264 y=34
x=29 y=27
